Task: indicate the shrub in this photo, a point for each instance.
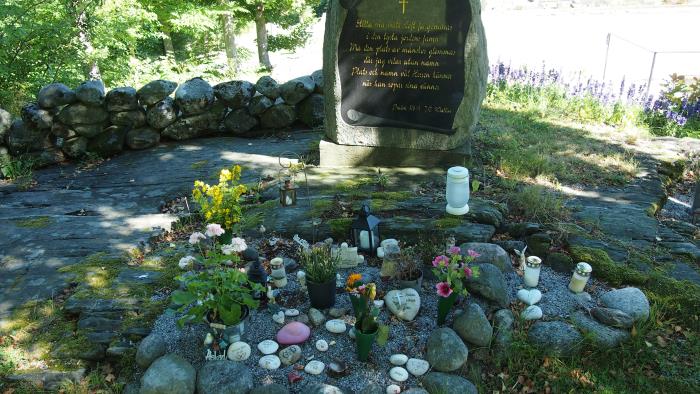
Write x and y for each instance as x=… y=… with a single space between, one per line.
x=221 y=203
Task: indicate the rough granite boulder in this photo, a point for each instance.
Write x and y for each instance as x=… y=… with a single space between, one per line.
x=630 y=300
x=79 y=113
x=60 y=130
x=170 y=374
x=473 y=326
x=224 y=377
x=443 y=383
x=48 y=156
x=35 y=116
x=296 y=90
x=75 y=147
x=445 y=350
x=259 y=104
x=278 y=116
x=150 y=349
x=490 y=254
x=602 y=335
x=89 y=130
x=55 y=95
x=22 y=138
x=190 y=127
x=311 y=110
x=122 y=99
x=155 y=91
x=503 y=321
x=612 y=317
x=91 y=93
x=239 y=121
x=162 y=114
x=194 y=97
x=5 y=123
x=235 y=94
x=267 y=86
x=490 y=284
x=135 y=118
x=109 y=142
x=555 y=337
x=142 y=138
x=317 y=76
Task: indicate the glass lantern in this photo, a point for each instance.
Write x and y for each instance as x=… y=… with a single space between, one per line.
x=533 y=266
x=457 y=191
x=365 y=231
x=580 y=277
x=279 y=274
x=288 y=191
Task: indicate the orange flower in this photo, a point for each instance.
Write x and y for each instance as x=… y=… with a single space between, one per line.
x=352 y=279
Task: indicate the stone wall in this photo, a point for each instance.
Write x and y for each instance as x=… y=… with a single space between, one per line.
x=64 y=124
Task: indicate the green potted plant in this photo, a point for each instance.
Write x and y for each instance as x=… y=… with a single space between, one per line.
x=451 y=272
x=409 y=270
x=321 y=270
x=220 y=203
x=367 y=328
x=215 y=294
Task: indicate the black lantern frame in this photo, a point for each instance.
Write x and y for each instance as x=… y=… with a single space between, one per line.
x=286 y=178
x=365 y=231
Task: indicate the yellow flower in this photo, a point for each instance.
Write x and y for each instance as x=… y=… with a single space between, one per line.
x=371 y=291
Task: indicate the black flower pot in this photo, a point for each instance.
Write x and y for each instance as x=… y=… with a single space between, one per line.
x=321 y=295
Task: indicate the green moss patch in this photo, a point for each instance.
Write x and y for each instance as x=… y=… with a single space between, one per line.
x=447 y=222
x=35 y=223
x=340 y=228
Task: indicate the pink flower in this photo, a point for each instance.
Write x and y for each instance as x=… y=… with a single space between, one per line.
x=443 y=289
x=441 y=261
x=473 y=254
x=214 y=230
x=361 y=289
x=455 y=250
x=468 y=271
x=196 y=237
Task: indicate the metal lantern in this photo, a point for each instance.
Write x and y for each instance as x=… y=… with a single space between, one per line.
x=365 y=231
x=287 y=178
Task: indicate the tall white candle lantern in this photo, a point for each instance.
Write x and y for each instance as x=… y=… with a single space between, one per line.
x=580 y=277
x=532 y=271
x=279 y=274
x=457 y=191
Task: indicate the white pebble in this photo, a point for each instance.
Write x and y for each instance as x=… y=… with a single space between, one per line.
x=417 y=367
x=291 y=312
x=532 y=312
x=238 y=351
x=398 y=359
x=336 y=326
x=268 y=346
x=393 y=389
x=278 y=317
x=398 y=374
x=270 y=362
x=321 y=345
x=314 y=367
x=379 y=303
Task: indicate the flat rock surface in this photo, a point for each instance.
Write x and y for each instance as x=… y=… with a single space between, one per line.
x=71 y=213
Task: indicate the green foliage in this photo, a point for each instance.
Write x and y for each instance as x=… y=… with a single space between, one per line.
x=320 y=264
x=535 y=202
x=17 y=168
x=221 y=203
x=38 y=222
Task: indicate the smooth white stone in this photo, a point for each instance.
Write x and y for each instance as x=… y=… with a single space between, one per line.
x=417 y=367
x=398 y=374
x=532 y=312
x=336 y=326
x=238 y=351
x=389 y=241
x=268 y=346
x=321 y=345
x=314 y=367
x=405 y=303
x=278 y=317
x=393 y=389
x=379 y=303
x=331 y=343
x=270 y=362
x=208 y=339
x=291 y=312
x=290 y=355
x=529 y=296
x=398 y=359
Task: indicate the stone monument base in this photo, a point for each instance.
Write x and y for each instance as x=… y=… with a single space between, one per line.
x=334 y=155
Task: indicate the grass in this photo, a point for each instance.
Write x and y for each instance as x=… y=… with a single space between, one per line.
x=38 y=222
x=19 y=169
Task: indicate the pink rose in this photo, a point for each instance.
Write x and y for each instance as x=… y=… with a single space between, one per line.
x=443 y=289
x=455 y=250
x=441 y=261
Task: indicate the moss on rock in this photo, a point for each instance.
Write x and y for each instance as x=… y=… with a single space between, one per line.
x=605 y=268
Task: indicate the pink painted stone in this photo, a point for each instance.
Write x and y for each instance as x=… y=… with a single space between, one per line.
x=293 y=333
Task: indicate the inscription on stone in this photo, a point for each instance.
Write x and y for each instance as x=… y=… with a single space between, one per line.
x=401 y=63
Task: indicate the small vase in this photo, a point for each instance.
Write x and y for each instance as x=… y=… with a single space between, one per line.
x=321 y=295
x=364 y=343
x=444 y=306
x=358 y=304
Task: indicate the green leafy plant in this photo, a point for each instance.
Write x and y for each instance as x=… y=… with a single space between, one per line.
x=20 y=168
x=475 y=185
x=381 y=180
x=221 y=203
x=320 y=264
x=363 y=301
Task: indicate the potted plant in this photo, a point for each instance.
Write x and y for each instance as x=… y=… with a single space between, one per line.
x=451 y=272
x=216 y=294
x=220 y=203
x=362 y=296
x=320 y=267
x=409 y=270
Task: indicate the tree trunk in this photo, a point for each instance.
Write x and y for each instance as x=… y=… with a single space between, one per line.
x=81 y=20
x=261 y=29
x=230 y=42
x=168 y=47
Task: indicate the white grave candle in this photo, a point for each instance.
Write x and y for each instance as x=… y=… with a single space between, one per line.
x=580 y=277
x=532 y=271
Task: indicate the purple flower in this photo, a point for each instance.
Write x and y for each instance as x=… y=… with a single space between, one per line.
x=454 y=250
x=441 y=261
